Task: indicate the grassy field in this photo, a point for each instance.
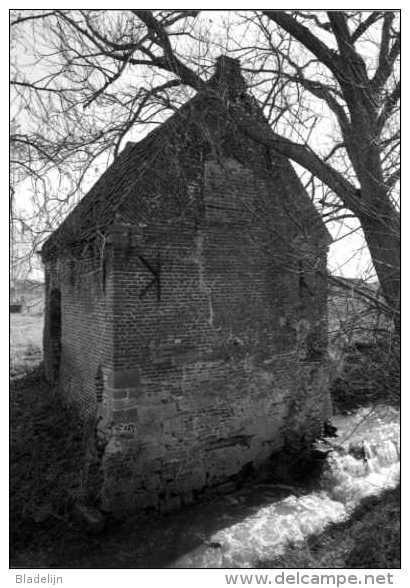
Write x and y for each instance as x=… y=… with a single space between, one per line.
x=26 y=333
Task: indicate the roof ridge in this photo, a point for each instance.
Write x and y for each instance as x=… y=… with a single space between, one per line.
x=97 y=209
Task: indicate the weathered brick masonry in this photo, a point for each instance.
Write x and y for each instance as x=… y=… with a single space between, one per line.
x=192 y=299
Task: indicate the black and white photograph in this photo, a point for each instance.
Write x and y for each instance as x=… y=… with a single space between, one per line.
x=204 y=306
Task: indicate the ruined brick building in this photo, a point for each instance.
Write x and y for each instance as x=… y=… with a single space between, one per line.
x=186 y=306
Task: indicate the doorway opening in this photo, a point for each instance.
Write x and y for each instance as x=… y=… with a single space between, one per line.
x=55 y=330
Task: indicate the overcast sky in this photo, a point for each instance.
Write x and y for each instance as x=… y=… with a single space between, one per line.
x=348 y=256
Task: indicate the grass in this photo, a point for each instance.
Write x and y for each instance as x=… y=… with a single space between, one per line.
x=46 y=446
x=26 y=333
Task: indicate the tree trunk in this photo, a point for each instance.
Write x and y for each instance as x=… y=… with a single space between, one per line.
x=382 y=233
x=378 y=217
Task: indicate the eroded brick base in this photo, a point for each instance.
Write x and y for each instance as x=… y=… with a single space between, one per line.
x=164 y=449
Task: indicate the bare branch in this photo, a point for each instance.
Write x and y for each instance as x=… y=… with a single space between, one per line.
x=389 y=106
x=22 y=19
x=365 y=25
x=387 y=57
x=308 y=39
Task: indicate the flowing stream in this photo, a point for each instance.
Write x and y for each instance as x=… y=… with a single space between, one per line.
x=257 y=522
x=364 y=460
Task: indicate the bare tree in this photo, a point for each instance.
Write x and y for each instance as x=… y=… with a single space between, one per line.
x=363 y=94
x=75 y=97
x=107 y=72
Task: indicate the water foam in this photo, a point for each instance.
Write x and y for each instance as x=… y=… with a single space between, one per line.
x=363 y=461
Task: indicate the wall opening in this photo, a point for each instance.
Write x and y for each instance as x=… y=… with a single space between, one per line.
x=55 y=330
x=99 y=385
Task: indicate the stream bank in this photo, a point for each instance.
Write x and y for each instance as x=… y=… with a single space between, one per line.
x=260 y=524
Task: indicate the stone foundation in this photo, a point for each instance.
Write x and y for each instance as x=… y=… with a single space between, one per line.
x=163 y=450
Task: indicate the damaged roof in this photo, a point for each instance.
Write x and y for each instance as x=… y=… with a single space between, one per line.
x=97 y=210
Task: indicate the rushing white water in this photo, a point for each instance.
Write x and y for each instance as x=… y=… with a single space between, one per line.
x=363 y=461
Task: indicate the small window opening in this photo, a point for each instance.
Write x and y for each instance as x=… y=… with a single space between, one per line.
x=99 y=385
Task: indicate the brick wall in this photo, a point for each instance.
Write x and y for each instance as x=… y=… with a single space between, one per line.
x=195 y=344
x=86 y=291
x=212 y=365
